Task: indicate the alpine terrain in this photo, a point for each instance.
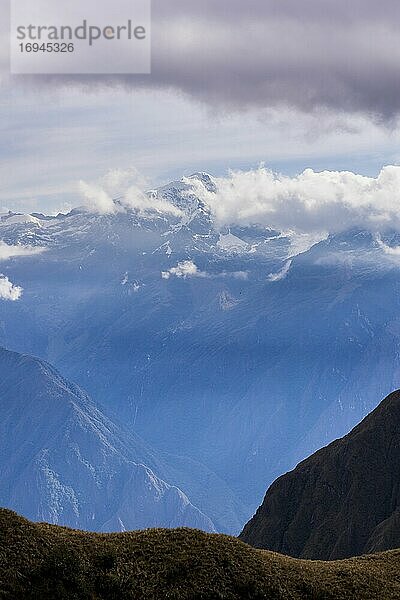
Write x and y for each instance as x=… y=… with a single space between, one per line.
x=238 y=351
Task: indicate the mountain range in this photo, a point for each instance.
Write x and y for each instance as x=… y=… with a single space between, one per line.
x=238 y=351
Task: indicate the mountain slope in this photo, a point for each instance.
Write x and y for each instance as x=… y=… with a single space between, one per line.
x=216 y=344
x=342 y=501
x=63 y=461
x=47 y=562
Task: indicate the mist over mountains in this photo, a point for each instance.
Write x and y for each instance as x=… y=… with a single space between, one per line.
x=239 y=349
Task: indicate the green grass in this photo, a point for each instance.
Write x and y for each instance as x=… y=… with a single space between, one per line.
x=46 y=562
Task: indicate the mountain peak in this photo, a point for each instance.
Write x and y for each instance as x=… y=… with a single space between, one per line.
x=342 y=501
x=81 y=468
x=206 y=179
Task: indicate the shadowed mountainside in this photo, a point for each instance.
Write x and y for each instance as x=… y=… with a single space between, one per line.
x=342 y=501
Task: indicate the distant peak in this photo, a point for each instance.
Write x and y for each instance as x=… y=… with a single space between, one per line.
x=205 y=178
x=200 y=175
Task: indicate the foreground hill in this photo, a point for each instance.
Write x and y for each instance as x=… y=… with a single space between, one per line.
x=342 y=501
x=47 y=562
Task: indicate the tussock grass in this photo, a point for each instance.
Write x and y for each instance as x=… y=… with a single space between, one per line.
x=46 y=562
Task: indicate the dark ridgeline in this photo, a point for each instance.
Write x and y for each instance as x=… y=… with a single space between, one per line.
x=342 y=501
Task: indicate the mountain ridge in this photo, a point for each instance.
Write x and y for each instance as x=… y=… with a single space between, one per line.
x=342 y=501
x=63 y=461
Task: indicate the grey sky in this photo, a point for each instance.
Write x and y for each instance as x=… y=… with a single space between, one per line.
x=267 y=53
x=294 y=83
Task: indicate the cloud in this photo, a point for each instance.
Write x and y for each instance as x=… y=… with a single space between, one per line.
x=336 y=55
x=9 y=291
x=96 y=199
x=188 y=268
x=269 y=54
x=282 y=274
x=184 y=269
x=312 y=202
x=121 y=190
x=7 y=251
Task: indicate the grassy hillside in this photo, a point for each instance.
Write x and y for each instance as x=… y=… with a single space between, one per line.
x=47 y=562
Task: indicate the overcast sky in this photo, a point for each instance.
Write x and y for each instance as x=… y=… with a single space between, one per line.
x=291 y=83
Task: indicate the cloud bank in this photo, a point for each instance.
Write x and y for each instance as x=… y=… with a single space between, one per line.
x=8 y=251
x=311 y=203
x=9 y=291
x=337 y=55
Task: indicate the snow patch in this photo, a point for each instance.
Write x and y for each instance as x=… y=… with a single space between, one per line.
x=17 y=219
x=282 y=274
x=389 y=250
x=7 y=251
x=231 y=243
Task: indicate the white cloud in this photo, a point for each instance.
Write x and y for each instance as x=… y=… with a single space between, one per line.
x=7 y=251
x=282 y=274
x=184 y=269
x=9 y=291
x=188 y=268
x=96 y=199
x=311 y=202
x=120 y=190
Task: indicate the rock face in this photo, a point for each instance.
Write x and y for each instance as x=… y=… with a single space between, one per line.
x=342 y=501
x=64 y=462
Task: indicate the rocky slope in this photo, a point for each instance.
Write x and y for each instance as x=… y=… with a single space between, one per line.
x=63 y=461
x=342 y=501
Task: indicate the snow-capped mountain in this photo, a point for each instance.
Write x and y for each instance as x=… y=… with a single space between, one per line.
x=241 y=349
